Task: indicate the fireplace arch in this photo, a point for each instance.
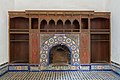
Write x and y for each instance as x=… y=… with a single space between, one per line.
x=59 y=40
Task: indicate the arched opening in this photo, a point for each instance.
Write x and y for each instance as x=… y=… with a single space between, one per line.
x=59 y=54
x=43 y=24
x=59 y=24
x=51 y=24
x=67 y=24
x=76 y=24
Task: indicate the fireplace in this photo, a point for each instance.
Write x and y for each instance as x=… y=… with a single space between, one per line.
x=44 y=38
x=59 y=49
x=60 y=54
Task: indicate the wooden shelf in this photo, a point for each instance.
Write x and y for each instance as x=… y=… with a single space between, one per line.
x=59 y=30
x=19 y=29
x=20 y=61
x=99 y=32
x=101 y=40
x=100 y=62
x=19 y=40
x=19 y=32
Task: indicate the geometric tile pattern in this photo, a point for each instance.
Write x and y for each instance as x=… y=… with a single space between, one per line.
x=51 y=67
x=62 y=75
x=116 y=68
x=3 y=70
x=34 y=68
x=58 y=67
x=100 y=67
x=56 y=39
x=68 y=67
x=85 y=67
x=18 y=68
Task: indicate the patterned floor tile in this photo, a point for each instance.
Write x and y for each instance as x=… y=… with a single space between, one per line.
x=66 y=75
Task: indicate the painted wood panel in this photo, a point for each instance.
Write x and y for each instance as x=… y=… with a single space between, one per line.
x=34 y=48
x=84 y=48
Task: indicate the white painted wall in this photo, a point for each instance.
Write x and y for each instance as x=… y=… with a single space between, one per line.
x=97 y=5
x=114 y=7
x=5 y=5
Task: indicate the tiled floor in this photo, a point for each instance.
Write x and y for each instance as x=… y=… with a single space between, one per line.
x=66 y=75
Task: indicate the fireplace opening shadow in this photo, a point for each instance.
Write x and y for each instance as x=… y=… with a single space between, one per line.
x=60 y=55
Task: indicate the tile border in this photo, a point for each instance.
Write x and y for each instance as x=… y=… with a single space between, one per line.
x=4 y=68
x=115 y=68
x=82 y=67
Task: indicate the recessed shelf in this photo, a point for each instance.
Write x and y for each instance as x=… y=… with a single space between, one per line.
x=19 y=51
x=19 y=37
x=100 y=48
x=19 y=23
x=100 y=37
x=84 y=23
x=34 y=23
x=100 y=23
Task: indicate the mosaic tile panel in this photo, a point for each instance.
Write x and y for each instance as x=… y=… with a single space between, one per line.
x=34 y=68
x=116 y=68
x=61 y=75
x=3 y=69
x=59 y=68
x=18 y=68
x=100 y=67
x=85 y=67
x=47 y=42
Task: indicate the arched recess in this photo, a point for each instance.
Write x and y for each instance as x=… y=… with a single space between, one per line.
x=19 y=23
x=67 y=24
x=59 y=54
x=59 y=24
x=59 y=40
x=76 y=24
x=43 y=24
x=51 y=24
